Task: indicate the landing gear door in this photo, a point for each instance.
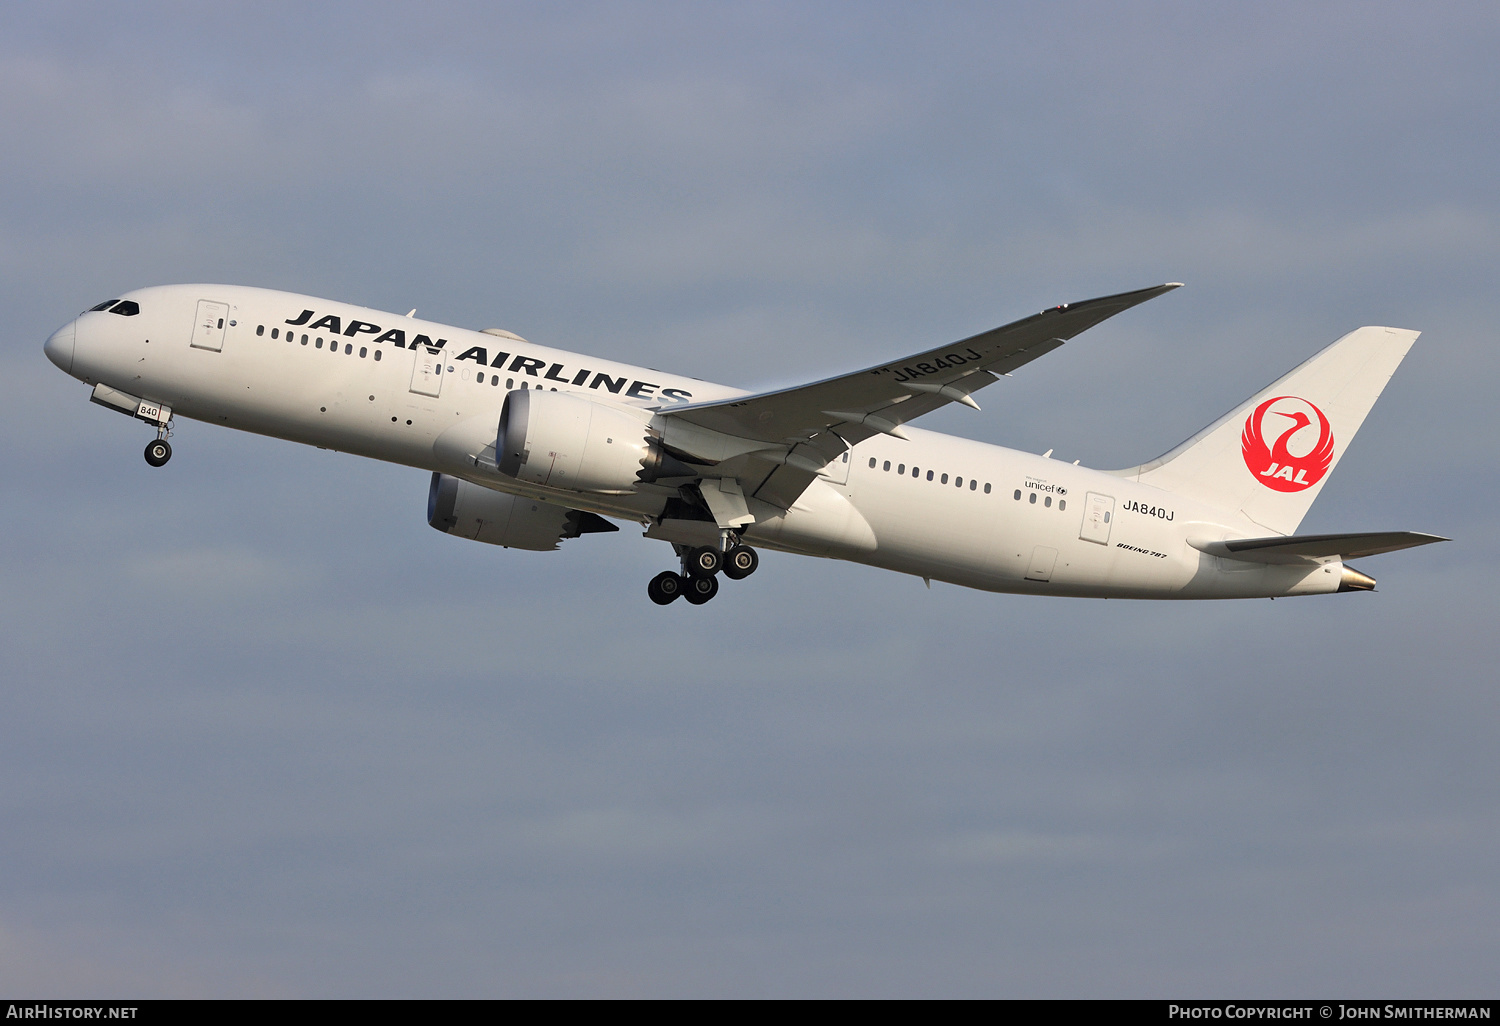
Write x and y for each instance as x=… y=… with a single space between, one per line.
x=208 y=329
x=427 y=374
x=1098 y=511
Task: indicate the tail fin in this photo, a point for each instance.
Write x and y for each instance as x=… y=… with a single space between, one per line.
x=1269 y=457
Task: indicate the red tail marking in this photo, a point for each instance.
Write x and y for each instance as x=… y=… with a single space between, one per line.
x=1274 y=465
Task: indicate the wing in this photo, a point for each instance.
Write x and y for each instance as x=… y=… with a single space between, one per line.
x=806 y=427
x=1318 y=548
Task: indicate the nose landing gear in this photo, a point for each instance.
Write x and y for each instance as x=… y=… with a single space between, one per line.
x=697 y=582
x=158 y=452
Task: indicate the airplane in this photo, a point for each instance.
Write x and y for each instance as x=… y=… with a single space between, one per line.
x=530 y=445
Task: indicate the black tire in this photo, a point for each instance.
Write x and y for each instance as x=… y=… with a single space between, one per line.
x=158 y=452
x=700 y=589
x=704 y=562
x=740 y=562
x=665 y=587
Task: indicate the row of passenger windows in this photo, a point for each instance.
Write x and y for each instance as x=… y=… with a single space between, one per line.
x=333 y=343
x=494 y=379
x=942 y=479
x=1062 y=504
x=333 y=347
x=916 y=472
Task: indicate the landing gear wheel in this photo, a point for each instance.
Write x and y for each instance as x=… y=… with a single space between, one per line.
x=701 y=589
x=740 y=562
x=665 y=587
x=704 y=562
x=158 y=452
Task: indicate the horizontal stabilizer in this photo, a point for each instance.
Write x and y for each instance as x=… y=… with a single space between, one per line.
x=1316 y=548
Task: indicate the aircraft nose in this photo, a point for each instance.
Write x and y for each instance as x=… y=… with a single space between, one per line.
x=59 y=348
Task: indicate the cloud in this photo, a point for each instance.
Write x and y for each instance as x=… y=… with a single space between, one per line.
x=265 y=732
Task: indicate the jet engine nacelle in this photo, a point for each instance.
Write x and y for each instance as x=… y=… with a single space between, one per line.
x=455 y=506
x=561 y=440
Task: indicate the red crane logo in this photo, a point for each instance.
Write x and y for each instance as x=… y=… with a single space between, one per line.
x=1275 y=465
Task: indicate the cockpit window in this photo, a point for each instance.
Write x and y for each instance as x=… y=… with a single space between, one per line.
x=103 y=306
x=127 y=308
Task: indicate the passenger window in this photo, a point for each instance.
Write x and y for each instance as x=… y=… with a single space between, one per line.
x=319 y=343
x=1048 y=502
x=129 y=308
x=275 y=332
x=1018 y=495
x=260 y=329
x=304 y=340
x=348 y=350
x=1062 y=504
x=377 y=356
x=915 y=472
x=901 y=470
x=102 y=306
x=929 y=475
x=986 y=488
x=363 y=352
x=887 y=464
x=958 y=481
x=973 y=484
x=872 y=462
x=511 y=383
x=1032 y=500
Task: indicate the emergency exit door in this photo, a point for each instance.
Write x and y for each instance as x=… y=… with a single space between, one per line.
x=427 y=373
x=208 y=329
x=1098 y=511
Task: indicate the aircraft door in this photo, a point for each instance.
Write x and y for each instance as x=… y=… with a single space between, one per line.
x=1098 y=511
x=427 y=373
x=208 y=329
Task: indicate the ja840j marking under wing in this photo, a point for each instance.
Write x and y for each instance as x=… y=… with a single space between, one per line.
x=530 y=445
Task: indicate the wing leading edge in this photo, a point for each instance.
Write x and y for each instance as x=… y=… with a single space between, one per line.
x=806 y=427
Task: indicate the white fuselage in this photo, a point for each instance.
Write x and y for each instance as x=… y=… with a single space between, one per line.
x=936 y=506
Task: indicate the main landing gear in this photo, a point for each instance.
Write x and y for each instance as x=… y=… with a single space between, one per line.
x=698 y=581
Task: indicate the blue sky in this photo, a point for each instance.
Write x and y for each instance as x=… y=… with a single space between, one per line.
x=266 y=733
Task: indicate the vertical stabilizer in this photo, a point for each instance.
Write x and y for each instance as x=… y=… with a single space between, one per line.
x=1269 y=457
